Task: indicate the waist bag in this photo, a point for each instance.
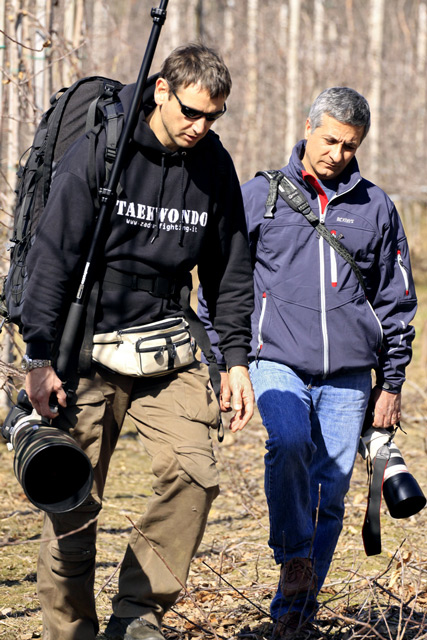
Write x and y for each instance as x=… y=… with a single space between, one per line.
x=152 y=349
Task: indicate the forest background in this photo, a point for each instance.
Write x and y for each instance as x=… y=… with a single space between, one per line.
x=281 y=54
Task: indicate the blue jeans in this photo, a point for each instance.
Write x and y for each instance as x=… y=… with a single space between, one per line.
x=313 y=430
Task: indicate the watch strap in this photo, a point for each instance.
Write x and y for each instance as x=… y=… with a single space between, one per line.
x=28 y=364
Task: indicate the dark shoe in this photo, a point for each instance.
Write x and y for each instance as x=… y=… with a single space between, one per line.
x=116 y=628
x=141 y=629
x=294 y=625
x=297 y=578
x=131 y=629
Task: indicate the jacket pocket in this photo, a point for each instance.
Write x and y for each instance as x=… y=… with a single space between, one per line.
x=355 y=335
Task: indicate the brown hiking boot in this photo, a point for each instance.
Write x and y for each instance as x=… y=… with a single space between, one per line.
x=297 y=578
x=294 y=625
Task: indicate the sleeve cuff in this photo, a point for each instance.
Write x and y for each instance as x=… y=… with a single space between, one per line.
x=39 y=350
x=236 y=357
x=390 y=388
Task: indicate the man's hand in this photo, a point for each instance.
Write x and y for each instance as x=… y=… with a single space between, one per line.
x=40 y=384
x=225 y=394
x=240 y=386
x=386 y=408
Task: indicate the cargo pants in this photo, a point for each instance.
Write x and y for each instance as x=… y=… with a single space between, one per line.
x=172 y=415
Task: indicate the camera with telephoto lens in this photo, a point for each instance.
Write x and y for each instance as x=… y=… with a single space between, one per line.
x=401 y=491
x=54 y=472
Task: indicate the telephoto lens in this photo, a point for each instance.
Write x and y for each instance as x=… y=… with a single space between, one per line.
x=54 y=472
x=402 y=493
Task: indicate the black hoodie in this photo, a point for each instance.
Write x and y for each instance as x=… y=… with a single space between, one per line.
x=177 y=210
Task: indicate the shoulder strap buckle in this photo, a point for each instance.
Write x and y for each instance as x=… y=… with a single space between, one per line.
x=274 y=177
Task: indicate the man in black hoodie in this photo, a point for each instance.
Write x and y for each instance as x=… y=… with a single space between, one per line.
x=179 y=207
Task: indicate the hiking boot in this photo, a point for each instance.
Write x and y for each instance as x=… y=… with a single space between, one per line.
x=141 y=629
x=297 y=578
x=294 y=625
x=131 y=629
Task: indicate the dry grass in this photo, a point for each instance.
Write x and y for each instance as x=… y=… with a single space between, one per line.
x=233 y=576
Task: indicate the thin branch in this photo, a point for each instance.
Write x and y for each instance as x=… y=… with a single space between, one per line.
x=236 y=590
x=40 y=540
x=24 y=46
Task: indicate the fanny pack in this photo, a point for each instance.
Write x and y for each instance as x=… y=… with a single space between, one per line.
x=153 y=349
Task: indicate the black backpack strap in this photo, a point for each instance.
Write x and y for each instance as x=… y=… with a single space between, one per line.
x=295 y=198
x=31 y=175
x=113 y=127
x=113 y=122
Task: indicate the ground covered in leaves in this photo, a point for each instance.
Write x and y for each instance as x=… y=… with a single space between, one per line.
x=233 y=575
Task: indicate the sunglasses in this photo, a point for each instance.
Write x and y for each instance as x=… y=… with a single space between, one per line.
x=195 y=114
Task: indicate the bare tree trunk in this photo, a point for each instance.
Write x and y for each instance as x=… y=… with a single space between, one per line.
x=292 y=76
x=252 y=131
x=421 y=83
x=376 y=34
x=5 y=341
x=172 y=25
x=39 y=56
x=199 y=16
x=101 y=44
x=78 y=21
x=69 y=11
x=228 y=45
x=11 y=132
x=319 y=49
x=192 y=20
x=2 y=53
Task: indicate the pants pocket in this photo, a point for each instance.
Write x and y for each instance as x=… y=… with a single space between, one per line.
x=84 y=418
x=71 y=561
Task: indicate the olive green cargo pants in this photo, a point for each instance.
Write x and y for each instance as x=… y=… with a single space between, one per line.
x=172 y=415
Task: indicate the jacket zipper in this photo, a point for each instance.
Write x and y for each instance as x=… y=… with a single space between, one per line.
x=167 y=323
x=324 y=324
x=334 y=269
x=322 y=283
x=261 y=320
x=403 y=272
x=377 y=319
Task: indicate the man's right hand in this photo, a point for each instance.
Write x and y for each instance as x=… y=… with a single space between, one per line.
x=40 y=384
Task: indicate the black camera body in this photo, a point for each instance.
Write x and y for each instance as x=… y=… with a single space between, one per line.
x=54 y=472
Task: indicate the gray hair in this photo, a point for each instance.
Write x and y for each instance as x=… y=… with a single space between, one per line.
x=343 y=104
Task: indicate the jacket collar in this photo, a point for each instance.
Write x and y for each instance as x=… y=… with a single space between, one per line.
x=346 y=180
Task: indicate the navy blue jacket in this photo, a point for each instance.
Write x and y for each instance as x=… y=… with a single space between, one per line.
x=311 y=312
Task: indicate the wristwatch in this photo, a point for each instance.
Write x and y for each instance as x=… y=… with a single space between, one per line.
x=28 y=364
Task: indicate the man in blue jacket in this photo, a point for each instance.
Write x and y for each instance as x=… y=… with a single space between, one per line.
x=316 y=337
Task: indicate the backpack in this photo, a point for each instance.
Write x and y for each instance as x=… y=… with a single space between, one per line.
x=85 y=106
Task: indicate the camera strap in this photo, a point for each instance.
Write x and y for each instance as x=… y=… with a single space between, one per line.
x=371 y=530
x=294 y=197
